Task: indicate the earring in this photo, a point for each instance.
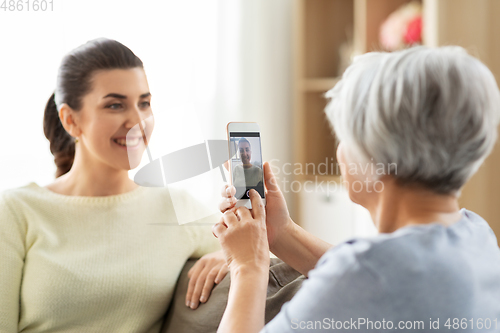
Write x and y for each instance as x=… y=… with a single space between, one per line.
x=76 y=140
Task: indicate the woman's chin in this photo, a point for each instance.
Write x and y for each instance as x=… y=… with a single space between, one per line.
x=129 y=162
x=134 y=163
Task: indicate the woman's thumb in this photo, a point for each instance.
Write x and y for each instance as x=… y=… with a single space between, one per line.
x=270 y=179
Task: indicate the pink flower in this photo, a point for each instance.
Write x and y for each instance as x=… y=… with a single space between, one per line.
x=414 y=31
x=402 y=27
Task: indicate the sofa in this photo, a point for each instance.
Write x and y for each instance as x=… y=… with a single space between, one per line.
x=284 y=282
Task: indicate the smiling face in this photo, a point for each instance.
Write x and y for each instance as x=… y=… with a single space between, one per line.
x=245 y=152
x=112 y=115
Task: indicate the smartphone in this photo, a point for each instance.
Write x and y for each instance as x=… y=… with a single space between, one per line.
x=245 y=163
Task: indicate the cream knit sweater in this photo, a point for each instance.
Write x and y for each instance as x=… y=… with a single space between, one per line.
x=92 y=264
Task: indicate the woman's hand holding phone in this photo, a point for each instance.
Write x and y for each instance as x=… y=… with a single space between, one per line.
x=277 y=217
x=243 y=236
x=286 y=240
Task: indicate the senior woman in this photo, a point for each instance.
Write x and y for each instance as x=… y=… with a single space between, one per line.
x=432 y=115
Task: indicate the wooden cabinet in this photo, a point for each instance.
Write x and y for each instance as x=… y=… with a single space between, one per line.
x=332 y=216
x=321 y=27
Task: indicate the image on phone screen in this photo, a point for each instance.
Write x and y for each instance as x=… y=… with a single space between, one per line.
x=246 y=164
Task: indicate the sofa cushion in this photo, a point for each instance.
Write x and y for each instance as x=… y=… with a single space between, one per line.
x=284 y=282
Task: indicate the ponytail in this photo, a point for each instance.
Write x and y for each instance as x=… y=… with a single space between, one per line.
x=62 y=145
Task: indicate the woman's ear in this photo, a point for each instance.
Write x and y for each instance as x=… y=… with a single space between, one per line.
x=341 y=159
x=68 y=119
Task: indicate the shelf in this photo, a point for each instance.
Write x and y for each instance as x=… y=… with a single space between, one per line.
x=369 y=16
x=327 y=25
x=321 y=85
x=321 y=144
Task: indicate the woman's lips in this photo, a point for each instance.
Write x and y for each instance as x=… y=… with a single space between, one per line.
x=129 y=143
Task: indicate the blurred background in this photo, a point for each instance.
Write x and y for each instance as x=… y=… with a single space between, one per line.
x=209 y=62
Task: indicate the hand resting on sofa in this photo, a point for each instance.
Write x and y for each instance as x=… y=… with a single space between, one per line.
x=284 y=282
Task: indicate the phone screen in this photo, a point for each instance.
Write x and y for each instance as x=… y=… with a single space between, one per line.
x=246 y=163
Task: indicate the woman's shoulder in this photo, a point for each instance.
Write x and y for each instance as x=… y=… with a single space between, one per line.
x=28 y=190
x=13 y=201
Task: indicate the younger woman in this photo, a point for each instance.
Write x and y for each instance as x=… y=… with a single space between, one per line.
x=93 y=251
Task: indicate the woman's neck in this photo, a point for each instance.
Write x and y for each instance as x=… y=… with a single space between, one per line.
x=399 y=206
x=90 y=177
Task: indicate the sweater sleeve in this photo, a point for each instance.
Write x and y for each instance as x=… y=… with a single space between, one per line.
x=200 y=227
x=12 y=253
x=206 y=241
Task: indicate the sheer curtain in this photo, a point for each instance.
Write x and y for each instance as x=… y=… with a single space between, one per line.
x=208 y=62
x=248 y=80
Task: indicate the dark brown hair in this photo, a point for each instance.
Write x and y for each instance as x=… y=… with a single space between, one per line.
x=74 y=82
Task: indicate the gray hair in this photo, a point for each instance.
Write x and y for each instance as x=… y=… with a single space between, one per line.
x=432 y=112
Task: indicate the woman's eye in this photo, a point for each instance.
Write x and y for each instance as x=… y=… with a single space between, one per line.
x=115 y=106
x=145 y=104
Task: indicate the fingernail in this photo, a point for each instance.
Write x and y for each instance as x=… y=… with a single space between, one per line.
x=193 y=306
x=188 y=303
x=203 y=299
x=228 y=200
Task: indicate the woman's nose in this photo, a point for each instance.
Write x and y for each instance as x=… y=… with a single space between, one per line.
x=136 y=118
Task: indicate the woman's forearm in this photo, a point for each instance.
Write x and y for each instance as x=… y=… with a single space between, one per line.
x=245 y=311
x=299 y=249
